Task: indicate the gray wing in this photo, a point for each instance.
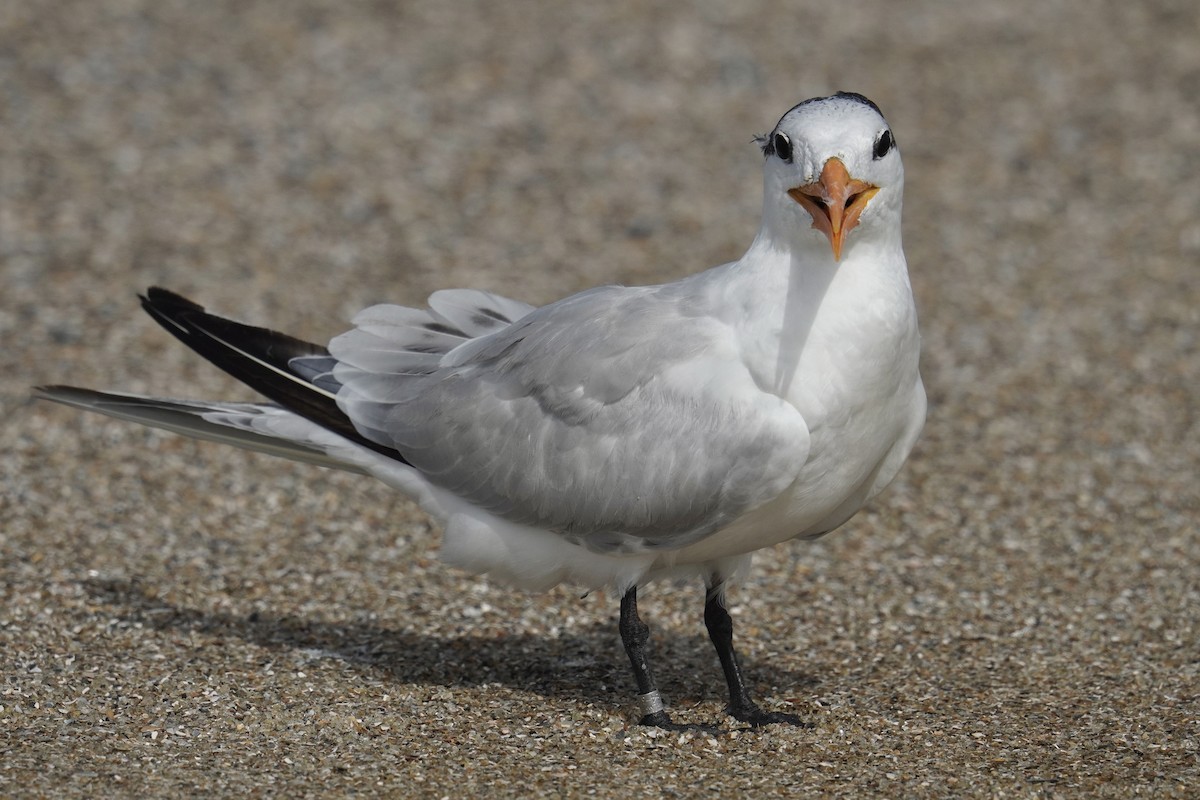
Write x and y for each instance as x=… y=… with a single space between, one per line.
x=619 y=417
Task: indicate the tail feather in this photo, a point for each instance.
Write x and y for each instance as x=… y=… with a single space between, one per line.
x=245 y=425
x=260 y=358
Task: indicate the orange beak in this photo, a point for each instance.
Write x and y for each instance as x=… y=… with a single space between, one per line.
x=835 y=202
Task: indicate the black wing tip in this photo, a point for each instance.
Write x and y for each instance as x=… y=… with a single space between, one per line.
x=75 y=396
x=48 y=391
x=258 y=357
x=165 y=301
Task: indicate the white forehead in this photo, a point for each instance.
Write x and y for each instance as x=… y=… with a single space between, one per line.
x=827 y=120
x=844 y=125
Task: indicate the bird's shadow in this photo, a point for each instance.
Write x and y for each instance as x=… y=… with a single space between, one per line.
x=586 y=665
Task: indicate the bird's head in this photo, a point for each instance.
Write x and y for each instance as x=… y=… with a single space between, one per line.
x=833 y=175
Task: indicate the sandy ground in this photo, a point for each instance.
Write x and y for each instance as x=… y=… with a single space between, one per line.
x=1017 y=617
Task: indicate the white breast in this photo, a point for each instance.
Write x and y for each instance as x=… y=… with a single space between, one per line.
x=856 y=382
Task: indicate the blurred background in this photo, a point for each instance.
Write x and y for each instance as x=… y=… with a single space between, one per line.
x=1017 y=614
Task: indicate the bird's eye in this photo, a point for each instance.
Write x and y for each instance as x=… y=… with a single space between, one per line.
x=783 y=147
x=883 y=145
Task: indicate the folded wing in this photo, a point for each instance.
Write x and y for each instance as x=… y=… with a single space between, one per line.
x=616 y=417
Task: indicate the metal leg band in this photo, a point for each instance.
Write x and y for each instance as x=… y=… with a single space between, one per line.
x=651 y=702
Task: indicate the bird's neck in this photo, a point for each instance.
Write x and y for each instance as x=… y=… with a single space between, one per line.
x=786 y=297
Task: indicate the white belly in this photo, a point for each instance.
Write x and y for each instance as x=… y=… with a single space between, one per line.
x=838 y=478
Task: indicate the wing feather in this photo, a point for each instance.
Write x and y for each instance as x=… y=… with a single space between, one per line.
x=619 y=418
x=252 y=426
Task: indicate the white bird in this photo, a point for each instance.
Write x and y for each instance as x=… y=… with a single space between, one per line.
x=622 y=434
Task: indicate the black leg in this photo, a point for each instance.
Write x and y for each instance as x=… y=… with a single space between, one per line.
x=720 y=630
x=635 y=635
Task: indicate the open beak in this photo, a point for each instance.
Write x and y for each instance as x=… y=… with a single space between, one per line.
x=835 y=202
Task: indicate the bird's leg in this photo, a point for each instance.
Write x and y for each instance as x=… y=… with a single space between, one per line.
x=720 y=630
x=635 y=636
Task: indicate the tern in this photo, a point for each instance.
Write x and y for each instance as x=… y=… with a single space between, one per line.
x=623 y=434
